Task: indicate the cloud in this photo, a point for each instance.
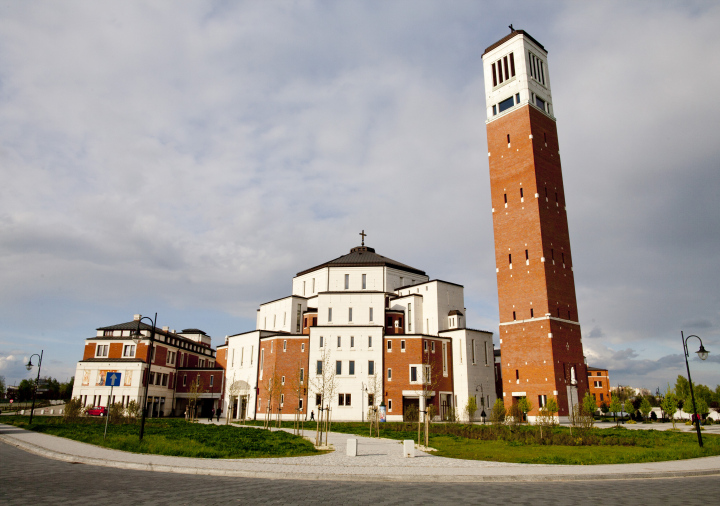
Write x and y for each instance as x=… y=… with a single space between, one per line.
x=191 y=161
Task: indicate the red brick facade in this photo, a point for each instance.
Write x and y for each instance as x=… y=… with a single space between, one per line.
x=540 y=338
x=284 y=360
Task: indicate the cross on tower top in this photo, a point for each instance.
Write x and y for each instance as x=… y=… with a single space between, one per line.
x=363 y=234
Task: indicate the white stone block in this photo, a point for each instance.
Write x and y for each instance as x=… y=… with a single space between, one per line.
x=351 y=449
x=52 y=411
x=408 y=448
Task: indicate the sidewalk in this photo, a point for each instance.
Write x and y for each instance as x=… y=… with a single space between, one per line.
x=377 y=460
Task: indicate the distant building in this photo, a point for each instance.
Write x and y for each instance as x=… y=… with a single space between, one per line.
x=599 y=384
x=179 y=358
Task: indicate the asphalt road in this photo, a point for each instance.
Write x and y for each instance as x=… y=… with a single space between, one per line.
x=29 y=479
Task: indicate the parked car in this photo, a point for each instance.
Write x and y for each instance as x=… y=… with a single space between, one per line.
x=97 y=411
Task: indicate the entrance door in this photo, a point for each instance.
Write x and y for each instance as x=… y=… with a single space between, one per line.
x=243 y=407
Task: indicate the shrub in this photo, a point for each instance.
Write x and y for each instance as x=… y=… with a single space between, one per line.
x=116 y=413
x=132 y=411
x=73 y=409
x=411 y=413
x=497 y=415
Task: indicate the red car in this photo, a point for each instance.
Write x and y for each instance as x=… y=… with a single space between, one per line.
x=97 y=411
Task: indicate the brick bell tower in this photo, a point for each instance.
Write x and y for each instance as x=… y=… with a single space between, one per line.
x=540 y=341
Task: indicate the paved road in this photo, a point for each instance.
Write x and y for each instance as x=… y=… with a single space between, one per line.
x=30 y=479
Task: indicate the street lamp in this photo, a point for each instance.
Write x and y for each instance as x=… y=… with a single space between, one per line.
x=703 y=354
x=29 y=366
x=137 y=337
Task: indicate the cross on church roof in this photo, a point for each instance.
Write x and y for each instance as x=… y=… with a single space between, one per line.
x=363 y=234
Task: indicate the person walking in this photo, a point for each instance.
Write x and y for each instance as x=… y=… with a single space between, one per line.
x=312 y=415
x=212 y=412
x=217 y=412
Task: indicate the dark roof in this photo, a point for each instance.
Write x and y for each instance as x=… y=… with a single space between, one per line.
x=133 y=325
x=193 y=331
x=455 y=312
x=427 y=283
x=595 y=369
x=364 y=256
x=510 y=36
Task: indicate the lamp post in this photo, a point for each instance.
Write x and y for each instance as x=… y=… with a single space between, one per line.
x=137 y=337
x=703 y=354
x=37 y=381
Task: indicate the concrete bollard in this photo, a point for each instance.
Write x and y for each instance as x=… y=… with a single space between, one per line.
x=351 y=449
x=60 y=412
x=52 y=411
x=22 y=412
x=408 y=448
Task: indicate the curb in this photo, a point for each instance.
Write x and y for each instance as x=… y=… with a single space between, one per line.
x=73 y=459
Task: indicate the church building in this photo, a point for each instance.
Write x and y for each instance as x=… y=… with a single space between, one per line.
x=356 y=333
x=540 y=341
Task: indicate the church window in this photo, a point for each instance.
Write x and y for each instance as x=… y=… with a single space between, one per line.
x=364 y=281
x=371 y=314
x=371 y=367
x=350 y=314
x=319 y=368
x=351 y=367
x=347 y=281
x=339 y=342
x=329 y=314
x=338 y=367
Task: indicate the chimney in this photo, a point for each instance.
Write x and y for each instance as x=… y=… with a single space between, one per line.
x=166 y=328
x=136 y=318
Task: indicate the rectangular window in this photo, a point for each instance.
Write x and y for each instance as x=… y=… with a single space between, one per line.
x=313 y=285
x=282 y=400
x=389 y=374
x=262 y=360
x=542 y=401
x=514 y=318
x=347 y=399
x=512 y=65
x=352 y=341
x=184 y=380
x=282 y=380
x=319 y=367
x=371 y=399
x=321 y=341
x=341 y=399
x=506 y=104
x=532 y=313
x=472 y=350
x=339 y=342
x=347 y=281
x=389 y=345
x=494 y=74
x=299 y=318
x=364 y=281
x=540 y=102
x=510 y=258
x=303 y=287
x=486 y=353
x=302 y=375
x=129 y=350
x=494 y=110
x=351 y=368
x=302 y=347
x=413 y=374
x=329 y=314
x=350 y=314
x=409 y=318
x=212 y=378
x=338 y=367
x=444 y=358
x=370 y=342
x=284 y=345
x=517 y=98
x=425 y=346
x=521 y=196
x=371 y=367
x=505 y=67
x=102 y=350
x=389 y=404
x=318 y=399
x=508 y=138
x=402 y=345
x=432 y=346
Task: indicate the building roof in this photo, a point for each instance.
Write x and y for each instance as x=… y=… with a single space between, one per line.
x=596 y=369
x=193 y=331
x=510 y=36
x=364 y=256
x=133 y=325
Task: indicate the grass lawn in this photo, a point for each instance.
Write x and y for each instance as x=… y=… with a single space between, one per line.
x=165 y=436
x=522 y=444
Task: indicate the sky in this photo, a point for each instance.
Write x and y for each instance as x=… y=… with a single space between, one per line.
x=189 y=158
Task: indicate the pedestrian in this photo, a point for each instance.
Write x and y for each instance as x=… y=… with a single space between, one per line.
x=212 y=412
x=312 y=415
x=217 y=412
x=186 y=413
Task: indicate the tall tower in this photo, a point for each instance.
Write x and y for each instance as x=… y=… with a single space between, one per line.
x=540 y=342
